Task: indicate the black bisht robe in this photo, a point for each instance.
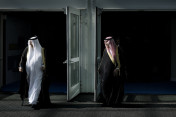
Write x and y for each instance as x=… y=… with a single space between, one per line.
x=44 y=98
x=112 y=85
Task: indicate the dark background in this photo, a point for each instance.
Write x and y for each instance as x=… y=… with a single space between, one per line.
x=145 y=38
x=51 y=30
x=50 y=27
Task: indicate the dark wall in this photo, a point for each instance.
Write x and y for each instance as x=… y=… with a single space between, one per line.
x=51 y=30
x=145 y=38
x=50 y=27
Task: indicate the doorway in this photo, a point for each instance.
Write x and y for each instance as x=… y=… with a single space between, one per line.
x=50 y=27
x=145 y=37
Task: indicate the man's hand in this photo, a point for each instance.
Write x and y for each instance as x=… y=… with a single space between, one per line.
x=117 y=72
x=20 y=69
x=43 y=67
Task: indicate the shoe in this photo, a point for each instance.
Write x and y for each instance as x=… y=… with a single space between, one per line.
x=35 y=106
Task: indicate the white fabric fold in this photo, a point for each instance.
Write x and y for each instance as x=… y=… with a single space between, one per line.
x=34 y=71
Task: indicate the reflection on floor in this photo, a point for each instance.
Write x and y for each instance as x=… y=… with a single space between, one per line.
x=84 y=97
x=55 y=87
x=58 y=87
x=149 y=98
x=166 y=88
x=146 y=101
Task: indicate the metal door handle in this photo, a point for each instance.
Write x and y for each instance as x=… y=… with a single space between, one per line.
x=73 y=60
x=65 y=62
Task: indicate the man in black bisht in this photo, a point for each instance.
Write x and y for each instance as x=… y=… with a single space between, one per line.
x=112 y=85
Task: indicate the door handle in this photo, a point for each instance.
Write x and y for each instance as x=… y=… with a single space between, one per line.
x=66 y=61
x=73 y=60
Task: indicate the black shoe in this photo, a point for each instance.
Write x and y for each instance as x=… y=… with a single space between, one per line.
x=35 y=106
x=45 y=104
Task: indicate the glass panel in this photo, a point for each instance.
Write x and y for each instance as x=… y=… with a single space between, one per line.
x=75 y=73
x=74 y=48
x=74 y=36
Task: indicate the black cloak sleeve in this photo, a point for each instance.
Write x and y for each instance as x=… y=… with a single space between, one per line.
x=23 y=89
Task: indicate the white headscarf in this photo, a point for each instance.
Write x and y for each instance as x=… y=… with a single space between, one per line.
x=33 y=69
x=34 y=56
x=111 y=47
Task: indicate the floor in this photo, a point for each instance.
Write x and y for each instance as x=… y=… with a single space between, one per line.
x=10 y=106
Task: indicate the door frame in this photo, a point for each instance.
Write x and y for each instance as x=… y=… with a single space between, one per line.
x=98 y=52
x=1 y=50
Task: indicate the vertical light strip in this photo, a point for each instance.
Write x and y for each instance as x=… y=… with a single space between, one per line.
x=1 y=50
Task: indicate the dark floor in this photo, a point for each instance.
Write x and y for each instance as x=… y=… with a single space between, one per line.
x=132 y=106
x=140 y=100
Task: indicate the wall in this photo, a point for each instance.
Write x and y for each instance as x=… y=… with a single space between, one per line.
x=106 y=4
x=41 y=4
x=136 y=4
x=84 y=53
x=1 y=52
x=88 y=50
x=173 y=49
x=17 y=30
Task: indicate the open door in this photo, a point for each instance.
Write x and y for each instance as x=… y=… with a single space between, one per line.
x=98 y=52
x=73 y=52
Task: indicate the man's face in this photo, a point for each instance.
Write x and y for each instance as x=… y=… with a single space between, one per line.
x=106 y=42
x=30 y=42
